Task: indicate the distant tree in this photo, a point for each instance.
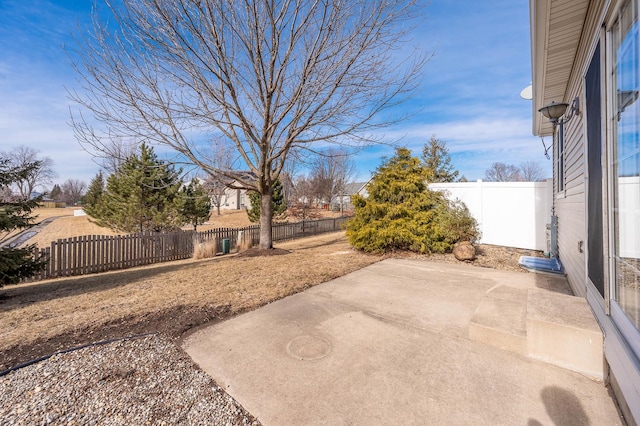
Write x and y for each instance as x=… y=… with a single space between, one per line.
x=332 y=169
x=114 y=152
x=141 y=196
x=216 y=187
x=16 y=263
x=91 y=201
x=531 y=171
x=216 y=183
x=72 y=191
x=194 y=203
x=401 y=213
x=56 y=193
x=279 y=204
x=437 y=162
x=24 y=157
x=501 y=172
x=304 y=191
x=302 y=199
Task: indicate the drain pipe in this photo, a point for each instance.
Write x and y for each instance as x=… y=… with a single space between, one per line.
x=553 y=249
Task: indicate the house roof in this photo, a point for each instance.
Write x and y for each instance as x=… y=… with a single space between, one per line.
x=556 y=29
x=353 y=188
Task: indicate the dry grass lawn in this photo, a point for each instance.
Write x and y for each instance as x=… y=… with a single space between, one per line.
x=76 y=226
x=41 y=214
x=37 y=319
x=68 y=227
x=45 y=213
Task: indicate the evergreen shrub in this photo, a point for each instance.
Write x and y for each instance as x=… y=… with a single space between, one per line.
x=402 y=213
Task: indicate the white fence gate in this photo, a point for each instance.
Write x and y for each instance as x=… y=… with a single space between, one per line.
x=512 y=214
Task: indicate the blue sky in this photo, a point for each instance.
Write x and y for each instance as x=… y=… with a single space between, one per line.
x=469 y=97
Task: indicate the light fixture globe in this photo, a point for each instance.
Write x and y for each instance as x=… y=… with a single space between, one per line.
x=554 y=110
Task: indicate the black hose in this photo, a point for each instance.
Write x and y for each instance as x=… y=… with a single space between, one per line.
x=43 y=358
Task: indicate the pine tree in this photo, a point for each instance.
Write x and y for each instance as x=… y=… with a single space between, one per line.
x=91 y=201
x=141 y=196
x=16 y=263
x=56 y=193
x=278 y=201
x=437 y=162
x=401 y=213
x=194 y=204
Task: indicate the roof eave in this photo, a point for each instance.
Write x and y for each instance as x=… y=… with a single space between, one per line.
x=555 y=36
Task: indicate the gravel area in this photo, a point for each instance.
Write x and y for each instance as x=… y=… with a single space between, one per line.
x=139 y=381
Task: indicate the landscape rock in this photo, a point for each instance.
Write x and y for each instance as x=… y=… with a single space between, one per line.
x=464 y=251
x=138 y=381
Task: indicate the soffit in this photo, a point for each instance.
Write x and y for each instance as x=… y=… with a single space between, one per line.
x=556 y=27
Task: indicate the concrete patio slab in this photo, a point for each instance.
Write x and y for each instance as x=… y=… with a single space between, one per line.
x=389 y=344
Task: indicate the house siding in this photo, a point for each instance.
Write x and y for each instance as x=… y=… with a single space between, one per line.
x=570 y=207
x=570 y=204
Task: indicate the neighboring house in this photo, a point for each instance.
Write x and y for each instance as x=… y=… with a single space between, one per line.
x=237 y=199
x=234 y=198
x=589 y=51
x=343 y=201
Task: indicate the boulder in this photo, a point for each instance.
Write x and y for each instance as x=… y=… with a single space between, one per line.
x=464 y=251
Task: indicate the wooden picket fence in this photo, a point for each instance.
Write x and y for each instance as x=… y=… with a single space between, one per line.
x=100 y=253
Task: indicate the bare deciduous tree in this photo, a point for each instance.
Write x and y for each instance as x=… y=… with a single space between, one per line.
x=271 y=77
x=531 y=171
x=331 y=171
x=303 y=199
x=72 y=191
x=42 y=173
x=216 y=187
x=501 y=172
x=216 y=184
x=115 y=153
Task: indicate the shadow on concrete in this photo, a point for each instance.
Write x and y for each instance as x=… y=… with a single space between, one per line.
x=563 y=407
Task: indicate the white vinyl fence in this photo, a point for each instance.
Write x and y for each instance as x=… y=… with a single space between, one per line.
x=512 y=214
x=629 y=216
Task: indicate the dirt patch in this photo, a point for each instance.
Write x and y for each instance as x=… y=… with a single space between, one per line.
x=487 y=256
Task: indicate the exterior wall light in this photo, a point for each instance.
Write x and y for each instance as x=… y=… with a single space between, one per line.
x=554 y=111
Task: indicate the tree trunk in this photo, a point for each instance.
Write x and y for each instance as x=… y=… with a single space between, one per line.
x=218 y=207
x=266 y=216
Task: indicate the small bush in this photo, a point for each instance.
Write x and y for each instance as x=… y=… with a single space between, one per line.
x=401 y=213
x=205 y=250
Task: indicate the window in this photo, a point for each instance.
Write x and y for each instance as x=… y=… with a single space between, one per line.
x=560 y=160
x=625 y=162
